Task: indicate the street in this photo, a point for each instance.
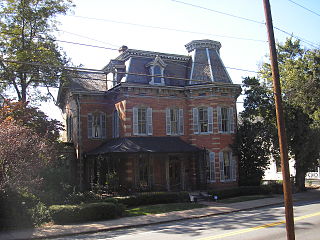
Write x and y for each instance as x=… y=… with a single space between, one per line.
x=263 y=223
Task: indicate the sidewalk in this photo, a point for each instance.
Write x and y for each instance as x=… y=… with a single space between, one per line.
x=127 y=222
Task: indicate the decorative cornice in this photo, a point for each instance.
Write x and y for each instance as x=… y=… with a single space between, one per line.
x=197 y=44
x=133 y=52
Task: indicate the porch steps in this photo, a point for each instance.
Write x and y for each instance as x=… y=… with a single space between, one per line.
x=199 y=196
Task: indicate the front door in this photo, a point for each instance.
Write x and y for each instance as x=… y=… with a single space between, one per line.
x=174 y=173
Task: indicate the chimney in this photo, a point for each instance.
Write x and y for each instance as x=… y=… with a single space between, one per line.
x=122 y=49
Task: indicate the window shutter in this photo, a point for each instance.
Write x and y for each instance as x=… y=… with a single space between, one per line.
x=221 y=166
x=103 y=125
x=231 y=120
x=135 y=120
x=212 y=174
x=210 y=119
x=90 y=125
x=168 y=121
x=195 y=115
x=219 y=119
x=233 y=168
x=181 y=120
x=149 y=121
x=117 y=126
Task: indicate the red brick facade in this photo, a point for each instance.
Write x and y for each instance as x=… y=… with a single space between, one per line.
x=126 y=96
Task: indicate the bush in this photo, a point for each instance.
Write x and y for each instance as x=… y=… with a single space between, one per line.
x=21 y=209
x=63 y=214
x=154 y=198
x=240 y=191
x=87 y=197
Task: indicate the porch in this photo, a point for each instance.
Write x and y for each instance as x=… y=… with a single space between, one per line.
x=146 y=164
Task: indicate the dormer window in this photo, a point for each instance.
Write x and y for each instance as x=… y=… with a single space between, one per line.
x=156 y=69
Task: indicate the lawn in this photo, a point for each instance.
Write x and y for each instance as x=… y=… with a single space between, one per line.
x=162 y=208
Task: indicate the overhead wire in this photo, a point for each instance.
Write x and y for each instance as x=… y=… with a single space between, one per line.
x=309 y=10
x=166 y=28
x=250 y=20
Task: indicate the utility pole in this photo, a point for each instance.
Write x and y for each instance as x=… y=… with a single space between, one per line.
x=281 y=125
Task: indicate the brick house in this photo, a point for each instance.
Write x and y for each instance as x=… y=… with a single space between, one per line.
x=154 y=121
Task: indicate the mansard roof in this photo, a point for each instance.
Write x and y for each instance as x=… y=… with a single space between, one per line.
x=204 y=66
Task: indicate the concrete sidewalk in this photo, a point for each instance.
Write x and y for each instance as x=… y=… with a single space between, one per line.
x=127 y=222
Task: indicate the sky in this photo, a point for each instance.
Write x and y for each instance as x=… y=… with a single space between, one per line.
x=167 y=25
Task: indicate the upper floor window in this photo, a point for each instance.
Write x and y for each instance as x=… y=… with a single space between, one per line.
x=202 y=120
x=227 y=166
x=142 y=121
x=96 y=125
x=115 y=124
x=225 y=120
x=156 y=70
x=174 y=121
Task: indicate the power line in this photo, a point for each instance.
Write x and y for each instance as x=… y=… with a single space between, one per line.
x=79 y=35
x=166 y=28
x=309 y=10
x=223 y=13
x=297 y=37
x=247 y=19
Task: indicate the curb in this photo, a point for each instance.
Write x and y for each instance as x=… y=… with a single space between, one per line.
x=107 y=229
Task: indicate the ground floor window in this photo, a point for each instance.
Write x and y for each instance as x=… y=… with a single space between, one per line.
x=227 y=166
x=144 y=173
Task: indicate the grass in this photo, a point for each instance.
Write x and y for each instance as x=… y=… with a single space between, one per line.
x=243 y=198
x=162 y=208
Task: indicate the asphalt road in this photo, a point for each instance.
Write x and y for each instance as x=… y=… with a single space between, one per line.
x=260 y=224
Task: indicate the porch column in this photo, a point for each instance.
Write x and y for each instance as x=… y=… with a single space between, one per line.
x=167 y=174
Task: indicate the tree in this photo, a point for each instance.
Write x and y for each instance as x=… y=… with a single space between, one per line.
x=33 y=118
x=27 y=46
x=23 y=154
x=259 y=121
x=252 y=147
x=28 y=144
x=299 y=75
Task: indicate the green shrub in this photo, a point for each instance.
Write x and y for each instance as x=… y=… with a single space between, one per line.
x=63 y=214
x=87 y=197
x=21 y=209
x=240 y=191
x=148 y=198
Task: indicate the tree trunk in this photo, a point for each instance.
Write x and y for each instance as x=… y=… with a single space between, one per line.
x=300 y=180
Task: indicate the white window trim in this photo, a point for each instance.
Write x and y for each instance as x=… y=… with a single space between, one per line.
x=196 y=124
x=149 y=126
x=233 y=167
x=180 y=122
x=103 y=119
x=231 y=120
x=152 y=82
